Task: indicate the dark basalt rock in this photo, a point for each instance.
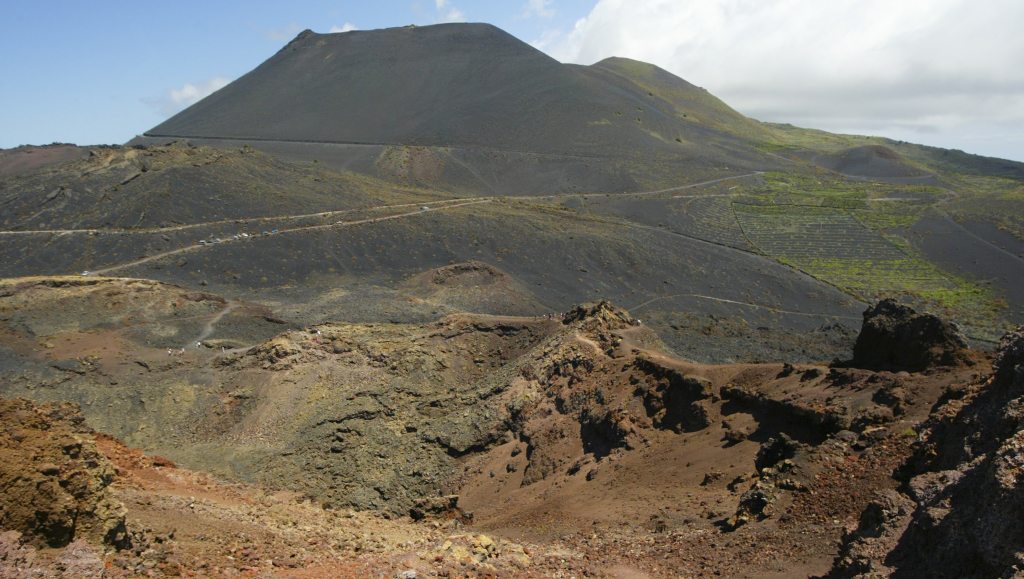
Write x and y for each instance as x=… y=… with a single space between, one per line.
x=895 y=336
x=960 y=512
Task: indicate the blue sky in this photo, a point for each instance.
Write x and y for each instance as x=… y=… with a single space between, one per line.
x=948 y=73
x=101 y=72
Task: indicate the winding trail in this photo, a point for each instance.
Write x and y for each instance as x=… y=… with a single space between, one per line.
x=234 y=219
x=441 y=203
x=680 y=188
x=701 y=196
x=956 y=197
x=437 y=205
x=211 y=325
x=472 y=171
x=1011 y=255
x=197 y=246
x=727 y=301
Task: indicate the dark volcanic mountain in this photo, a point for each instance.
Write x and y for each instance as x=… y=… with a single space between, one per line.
x=456 y=152
x=460 y=85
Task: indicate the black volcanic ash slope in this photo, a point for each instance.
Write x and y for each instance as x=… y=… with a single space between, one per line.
x=446 y=85
x=129 y=188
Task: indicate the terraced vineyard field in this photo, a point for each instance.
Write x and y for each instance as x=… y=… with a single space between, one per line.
x=831 y=245
x=701 y=216
x=885 y=214
x=824 y=191
x=712 y=219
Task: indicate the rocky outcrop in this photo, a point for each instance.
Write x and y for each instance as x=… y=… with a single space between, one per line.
x=894 y=336
x=825 y=416
x=961 y=513
x=600 y=312
x=782 y=465
x=444 y=508
x=881 y=525
x=675 y=401
x=53 y=481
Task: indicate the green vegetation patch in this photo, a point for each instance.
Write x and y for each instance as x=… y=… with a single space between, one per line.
x=821 y=140
x=979 y=311
x=875 y=205
x=833 y=246
x=771 y=146
x=892 y=218
x=842 y=232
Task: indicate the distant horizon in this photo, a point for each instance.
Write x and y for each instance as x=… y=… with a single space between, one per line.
x=953 y=78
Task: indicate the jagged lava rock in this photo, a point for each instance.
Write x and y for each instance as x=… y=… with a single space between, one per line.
x=895 y=336
x=965 y=513
x=53 y=481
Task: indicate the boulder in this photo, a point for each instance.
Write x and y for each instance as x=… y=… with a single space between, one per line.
x=895 y=336
x=782 y=465
x=864 y=550
x=444 y=507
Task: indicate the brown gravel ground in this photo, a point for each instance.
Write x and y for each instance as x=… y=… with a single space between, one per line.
x=189 y=524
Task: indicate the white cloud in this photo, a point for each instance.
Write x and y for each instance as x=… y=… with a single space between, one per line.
x=447 y=12
x=546 y=39
x=925 y=70
x=539 y=8
x=287 y=33
x=348 y=27
x=453 y=15
x=174 y=100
